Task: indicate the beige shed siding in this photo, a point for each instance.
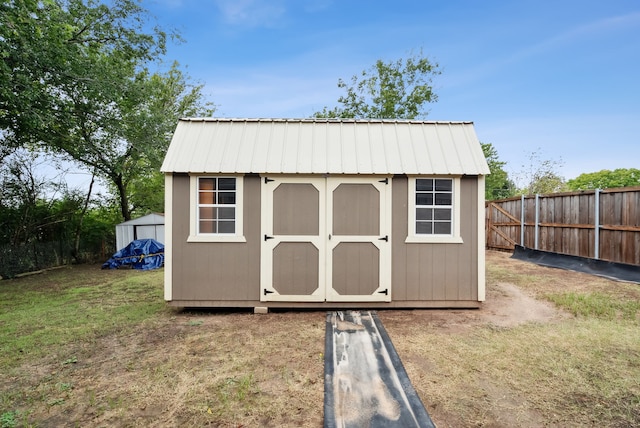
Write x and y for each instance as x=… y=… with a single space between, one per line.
x=296 y=209
x=223 y=271
x=228 y=274
x=435 y=272
x=295 y=268
x=356 y=267
x=356 y=210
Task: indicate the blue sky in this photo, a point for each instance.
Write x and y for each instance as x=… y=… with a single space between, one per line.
x=560 y=78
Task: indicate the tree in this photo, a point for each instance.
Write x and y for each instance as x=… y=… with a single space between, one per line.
x=540 y=176
x=606 y=179
x=124 y=143
x=49 y=47
x=149 y=127
x=78 y=84
x=388 y=90
x=497 y=184
x=23 y=201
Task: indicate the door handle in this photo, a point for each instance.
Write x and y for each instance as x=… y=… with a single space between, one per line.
x=384 y=238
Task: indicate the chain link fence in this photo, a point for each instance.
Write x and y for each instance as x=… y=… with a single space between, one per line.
x=15 y=260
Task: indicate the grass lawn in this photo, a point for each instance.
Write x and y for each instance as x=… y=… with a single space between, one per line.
x=86 y=347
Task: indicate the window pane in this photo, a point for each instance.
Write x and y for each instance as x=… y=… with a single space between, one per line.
x=443 y=228
x=216 y=205
x=206 y=197
x=444 y=185
x=227 y=184
x=208 y=213
x=227 y=213
x=424 y=199
x=443 y=198
x=227 y=198
x=208 y=226
x=424 y=184
x=423 y=228
x=207 y=184
x=227 y=227
x=424 y=214
x=442 y=214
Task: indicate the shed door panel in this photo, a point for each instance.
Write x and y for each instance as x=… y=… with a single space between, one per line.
x=325 y=239
x=296 y=209
x=293 y=250
x=356 y=209
x=295 y=268
x=358 y=252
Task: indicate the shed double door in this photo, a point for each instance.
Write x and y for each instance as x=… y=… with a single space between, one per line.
x=326 y=239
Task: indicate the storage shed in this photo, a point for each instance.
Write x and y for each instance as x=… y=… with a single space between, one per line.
x=150 y=226
x=324 y=213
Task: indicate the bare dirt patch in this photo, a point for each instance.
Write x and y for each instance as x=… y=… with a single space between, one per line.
x=464 y=382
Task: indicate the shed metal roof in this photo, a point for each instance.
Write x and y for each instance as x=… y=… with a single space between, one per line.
x=149 y=219
x=319 y=146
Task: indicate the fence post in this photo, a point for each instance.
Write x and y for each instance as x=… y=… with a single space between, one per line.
x=522 y=220
x=596 y=249
x=537 y=220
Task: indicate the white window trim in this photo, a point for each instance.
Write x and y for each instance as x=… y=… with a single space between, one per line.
x=412 y=237
x=194 y=236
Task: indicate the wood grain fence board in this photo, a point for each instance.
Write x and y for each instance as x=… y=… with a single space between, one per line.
x=566 y=224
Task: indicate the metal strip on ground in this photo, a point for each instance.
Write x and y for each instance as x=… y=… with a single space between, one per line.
x=365 y=382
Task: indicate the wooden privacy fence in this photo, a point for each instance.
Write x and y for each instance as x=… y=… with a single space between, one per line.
x=599 y=224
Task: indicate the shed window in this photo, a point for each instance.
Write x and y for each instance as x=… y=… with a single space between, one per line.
x=216 y=209
x=434 y=209
x=434 y=206
x=217 y=205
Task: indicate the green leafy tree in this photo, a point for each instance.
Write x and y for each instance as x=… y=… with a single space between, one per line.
x=389 y=90
x=54 y=53
x=82 y=67
x=149 y=126
x=497 y=184
x=126 y=145
x=545 y=183
x=606 y=179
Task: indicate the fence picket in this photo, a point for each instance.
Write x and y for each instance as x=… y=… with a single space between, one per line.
x=600 y=224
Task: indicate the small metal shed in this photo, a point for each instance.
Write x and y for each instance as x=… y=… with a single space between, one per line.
x=150 y=226
x=324 y=213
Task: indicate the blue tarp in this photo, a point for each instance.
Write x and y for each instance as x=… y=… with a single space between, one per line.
x=144 y=254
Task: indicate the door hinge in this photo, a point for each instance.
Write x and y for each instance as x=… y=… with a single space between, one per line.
x=270 y=292
x=385 y=292
x=384 y=238
x=266 y=180
x=266 y=238
x=385 y=181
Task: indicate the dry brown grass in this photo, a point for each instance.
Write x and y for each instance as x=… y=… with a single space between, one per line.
x=565 y=371
x=484 y=367
x=194 y=369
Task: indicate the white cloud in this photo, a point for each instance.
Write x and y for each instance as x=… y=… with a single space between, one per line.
x=252 y=13
x=579 y=33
